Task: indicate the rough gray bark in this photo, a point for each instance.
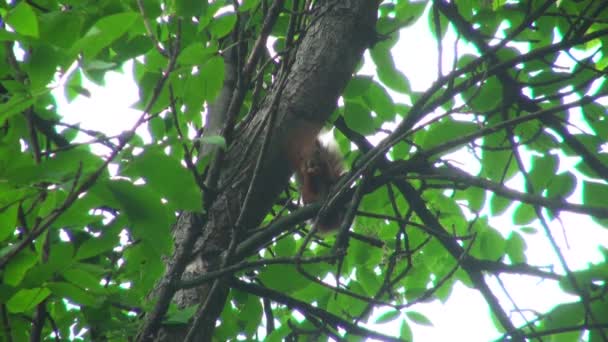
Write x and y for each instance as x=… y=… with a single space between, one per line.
x=324 y=62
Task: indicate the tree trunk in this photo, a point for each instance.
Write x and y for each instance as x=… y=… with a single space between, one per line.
x=322 y=66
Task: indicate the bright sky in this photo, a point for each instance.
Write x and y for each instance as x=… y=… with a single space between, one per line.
x=464 y=317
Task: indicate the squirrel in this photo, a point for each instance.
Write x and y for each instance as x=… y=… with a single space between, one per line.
x=318 y=166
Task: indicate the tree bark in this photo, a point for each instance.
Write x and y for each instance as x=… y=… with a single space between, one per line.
x=324 y=62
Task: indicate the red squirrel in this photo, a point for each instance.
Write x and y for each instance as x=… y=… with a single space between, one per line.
x=318 y=167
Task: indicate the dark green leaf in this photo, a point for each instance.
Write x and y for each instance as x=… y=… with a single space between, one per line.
x=357 y=86
x=61 y=29
x=82 y=278
x=446 y=130
x=169 y=178
x=148 y=217
x=75 y=294
x=515 y=248
x=8 y=221
x=283 y=278
x=358 y=118
x=543 y=171
x=222 y=25
x=489 y=243
x=561 y=186
x=379 y=101
x=15 y=105
x=368 y=280
x=485 y=98
x=189 y=8
x=104 y=32
x=204 y=86
x=97 y=245
x=63 y=167
x=17 y=267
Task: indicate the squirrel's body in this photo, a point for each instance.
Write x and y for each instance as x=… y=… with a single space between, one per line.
x=318 y=167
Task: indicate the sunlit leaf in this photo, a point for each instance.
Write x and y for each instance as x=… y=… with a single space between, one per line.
x=23 y=19
x=27 y=299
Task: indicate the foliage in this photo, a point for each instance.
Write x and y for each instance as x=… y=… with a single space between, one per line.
x=84 y=225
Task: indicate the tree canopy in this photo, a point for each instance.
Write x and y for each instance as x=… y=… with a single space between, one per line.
x=188 y=224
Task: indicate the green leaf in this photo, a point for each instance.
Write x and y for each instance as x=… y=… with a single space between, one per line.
x=445 y=130
x=283 y=278
x=594 y=193
x=405 y=332
x=42 y=66
x=169 y=178
x=515 y=248
x=498 y=205
x=388 y=316
x=181 y=316
x=485 y=98
x=82 y=278
x=491 y=244
x=394 y=79
x=248 y=5
x=189 y=8
x=17 y=267
x=524 y=214
x=63 y=167
x=379 y=101
x=358 y=118
x=528 y=230
x=148 y=217
x=75 y=294
x=195 y=54
x=8 y=221
x=105 y=31
x=97 y=245
x=250 y=314
x=368 y=280
x=476 y=198
x=561 y=186
x=205 y=85
x=285 y=247
x=222 y=25
x=27 y=299
x=60 y=256
x=408 y=11
x=418 y=318
x=565 y=315
x=357 y=86
x=543 y=170
x=15 y=105
x=23 y=19
x=495 y=164
x=443 y=26
x=216 y=140
x=61 y=29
